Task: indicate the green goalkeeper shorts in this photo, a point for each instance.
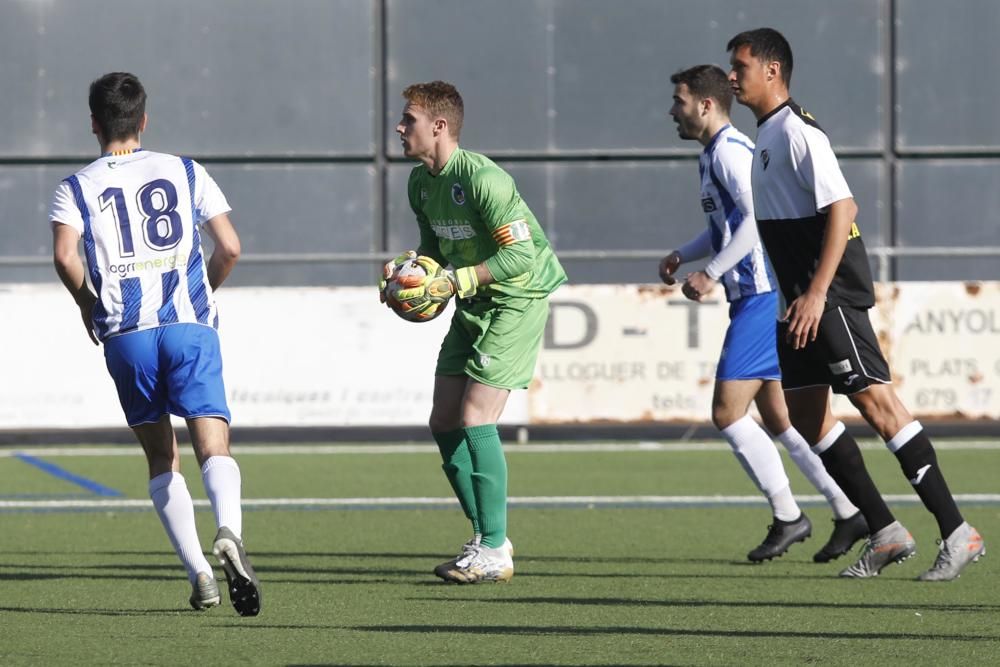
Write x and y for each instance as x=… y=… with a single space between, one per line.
x=495 y=341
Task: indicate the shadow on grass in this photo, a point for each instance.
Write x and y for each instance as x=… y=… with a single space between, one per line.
x=737 y=570
x=576 y=631
x=98 y=612
x=316 y=577
x=68 y=573
x=755 y=604
x=521 y=557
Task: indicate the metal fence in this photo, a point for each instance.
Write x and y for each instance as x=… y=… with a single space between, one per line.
x=291 y=106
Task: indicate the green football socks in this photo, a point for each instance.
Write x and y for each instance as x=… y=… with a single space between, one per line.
x=489 y=482
x=457 y=467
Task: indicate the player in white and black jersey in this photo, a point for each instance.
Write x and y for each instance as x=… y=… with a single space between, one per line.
x=139 y=215
x=806 y=216
x=748 y=365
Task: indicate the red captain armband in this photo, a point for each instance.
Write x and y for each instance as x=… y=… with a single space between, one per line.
x=511 y=233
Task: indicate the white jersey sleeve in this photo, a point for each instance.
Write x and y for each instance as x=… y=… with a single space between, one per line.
x=64 y=208
x=208 y=198
x=817 y=166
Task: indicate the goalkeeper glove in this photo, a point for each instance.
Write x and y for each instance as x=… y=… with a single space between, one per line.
x=436 y=285
x=462 y=282
x=390 y=268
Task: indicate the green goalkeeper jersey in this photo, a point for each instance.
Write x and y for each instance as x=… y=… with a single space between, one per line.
x=471 y=213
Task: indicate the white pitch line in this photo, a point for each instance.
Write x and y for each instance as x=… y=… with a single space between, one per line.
x=548 y=448
x=245 y=450
x=404 y=502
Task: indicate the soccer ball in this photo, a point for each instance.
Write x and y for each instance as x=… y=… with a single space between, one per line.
x=413 y=274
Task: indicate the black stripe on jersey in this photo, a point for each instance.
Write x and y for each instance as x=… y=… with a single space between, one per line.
x=798 y=111
x=804 y=115
x=793 y=245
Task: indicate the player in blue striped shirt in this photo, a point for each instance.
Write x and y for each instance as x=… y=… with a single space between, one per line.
x=140 y=215
x=748 y=365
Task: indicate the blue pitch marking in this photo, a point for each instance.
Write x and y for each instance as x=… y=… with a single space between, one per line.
x=56 y=471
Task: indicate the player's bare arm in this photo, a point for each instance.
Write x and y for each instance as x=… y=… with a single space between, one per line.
x=226 y=252
x=804 y=313
x=483 y=275
x=467 y=280
x=698 y=285
x=71 y=272
x=669 y=266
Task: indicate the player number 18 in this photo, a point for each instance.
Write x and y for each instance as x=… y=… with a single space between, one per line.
x=161 y=224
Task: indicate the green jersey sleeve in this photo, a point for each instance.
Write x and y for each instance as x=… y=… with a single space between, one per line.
x=503 y=213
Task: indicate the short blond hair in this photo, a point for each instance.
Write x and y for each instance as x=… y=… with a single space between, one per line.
x=439 y=99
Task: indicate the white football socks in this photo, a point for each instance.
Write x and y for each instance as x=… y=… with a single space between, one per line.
x=760 y=459
x=812 y=467
x=173 y=504
x=904 y=436
x=221 y=476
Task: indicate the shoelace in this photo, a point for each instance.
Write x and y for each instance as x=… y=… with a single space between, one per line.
x=469 y=557
x=773 y=535
x=475 y=559
x=861 y=566
x=865 y=548
x=944 y=555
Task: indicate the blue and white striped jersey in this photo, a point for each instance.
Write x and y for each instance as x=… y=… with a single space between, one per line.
x=139 y=215
x=727 y=201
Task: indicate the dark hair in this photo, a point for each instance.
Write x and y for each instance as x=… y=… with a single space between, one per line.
x=118 y=103
x=439 y=98
x=766 y=45
x=706 y=81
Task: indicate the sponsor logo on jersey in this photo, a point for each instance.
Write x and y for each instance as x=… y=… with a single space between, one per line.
x=112 y=164
x=457 y=194
x=808 y=115
x=765 y=158
x=707 y=204
x=157 y=265
x=453 y=230
x=423 y=195
x=484 y=360
x=841 y=367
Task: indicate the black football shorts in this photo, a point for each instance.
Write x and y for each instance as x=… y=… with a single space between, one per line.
x=845 y=355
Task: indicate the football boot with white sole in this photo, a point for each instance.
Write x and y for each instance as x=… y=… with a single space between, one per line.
x=484 y=565
x=204 y=592
x=963 y=546
x=244 y=588
x=468 y=550
x=892 y=544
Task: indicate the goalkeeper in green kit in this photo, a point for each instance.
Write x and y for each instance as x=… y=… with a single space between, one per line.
x=503 y=270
